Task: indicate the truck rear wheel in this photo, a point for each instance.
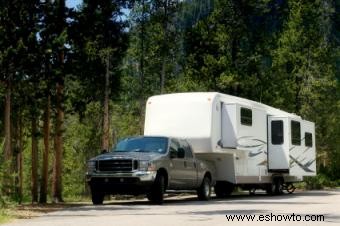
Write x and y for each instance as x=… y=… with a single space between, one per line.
x=156 y=195
x=204 y=191
x=223 y=189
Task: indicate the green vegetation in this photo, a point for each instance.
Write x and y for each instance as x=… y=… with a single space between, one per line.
x=74 y=81
x=5 y=209
x=319 y=182
x=3 y=216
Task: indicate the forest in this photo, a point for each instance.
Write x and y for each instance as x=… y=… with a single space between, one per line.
x=75 y=80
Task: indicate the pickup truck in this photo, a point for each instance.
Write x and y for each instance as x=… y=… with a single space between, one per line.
x=149 y=165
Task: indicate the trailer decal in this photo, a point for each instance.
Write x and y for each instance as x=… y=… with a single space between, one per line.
x=263 y=163
x=303 y=166
x=251 y=154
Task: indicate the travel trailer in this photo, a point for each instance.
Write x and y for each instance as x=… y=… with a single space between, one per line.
x=252 y=145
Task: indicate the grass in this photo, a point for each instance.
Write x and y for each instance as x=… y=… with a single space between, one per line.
x=4 y=216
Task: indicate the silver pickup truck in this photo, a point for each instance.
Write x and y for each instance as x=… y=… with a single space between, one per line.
x=149 y=165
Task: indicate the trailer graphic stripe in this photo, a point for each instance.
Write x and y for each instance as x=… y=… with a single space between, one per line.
x=303 y=166
x=251 y=154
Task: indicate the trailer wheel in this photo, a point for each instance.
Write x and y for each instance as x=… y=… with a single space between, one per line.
x=204 y=191
x=97 y=197
x=156 y=195
x=223 y=189
x=276 y=187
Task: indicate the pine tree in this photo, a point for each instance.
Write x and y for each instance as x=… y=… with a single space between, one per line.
x=100 y=42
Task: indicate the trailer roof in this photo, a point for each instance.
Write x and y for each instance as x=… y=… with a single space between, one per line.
x=196 y=96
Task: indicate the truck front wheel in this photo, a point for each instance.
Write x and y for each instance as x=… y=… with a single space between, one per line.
x=97 y=197
x=204 y=190
x=156 y=195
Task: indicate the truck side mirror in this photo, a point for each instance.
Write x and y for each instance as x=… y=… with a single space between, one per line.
x=181 y=153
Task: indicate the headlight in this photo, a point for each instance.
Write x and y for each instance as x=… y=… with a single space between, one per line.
x=146 y=166
x=143 y=165
x=91 y=166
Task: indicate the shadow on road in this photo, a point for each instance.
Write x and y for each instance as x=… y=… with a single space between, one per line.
x=219 y=207
x=238 y=197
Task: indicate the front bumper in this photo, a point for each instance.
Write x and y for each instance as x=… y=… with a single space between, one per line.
x=135 y=183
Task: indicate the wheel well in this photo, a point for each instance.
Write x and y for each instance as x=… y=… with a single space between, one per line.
x=208 y=174
x=163 y=172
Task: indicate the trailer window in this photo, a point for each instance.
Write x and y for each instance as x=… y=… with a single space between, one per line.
x=308 y=140
x=296 y=132
x=277 y=132
x=246 y=116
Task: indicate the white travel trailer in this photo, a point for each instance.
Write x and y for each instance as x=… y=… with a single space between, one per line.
x=252 y=145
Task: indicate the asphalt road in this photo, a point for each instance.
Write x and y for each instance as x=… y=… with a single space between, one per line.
x=299 y=207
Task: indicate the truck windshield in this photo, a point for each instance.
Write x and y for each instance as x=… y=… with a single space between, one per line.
x=143 y=144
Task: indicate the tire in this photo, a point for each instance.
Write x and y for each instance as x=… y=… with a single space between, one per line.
x=156 y=195
x=204 y=191
x=270 y=188
x=223 y=189
x=97 y=197
x=252 y=191
x=276 y=187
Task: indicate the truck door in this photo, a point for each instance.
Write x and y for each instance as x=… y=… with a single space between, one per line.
x=190 y=166
x=278 y=144
x=176 y=167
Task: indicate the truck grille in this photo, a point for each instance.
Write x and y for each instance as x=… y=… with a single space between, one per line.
x=113 y=165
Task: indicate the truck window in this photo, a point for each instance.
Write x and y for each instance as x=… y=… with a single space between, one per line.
x=143 y=144
x=308 y=140
x=277 y=132
x=296 y=132
x=187 y=149
x=174 y=145
x=246 y=116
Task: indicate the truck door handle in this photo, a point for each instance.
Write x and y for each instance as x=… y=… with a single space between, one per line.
x=195 y=165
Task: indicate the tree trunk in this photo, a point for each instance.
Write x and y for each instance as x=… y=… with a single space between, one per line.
x=44 y=171
x=34 y=172
x=20 y=158
x=163 y=74
x=58 y=144
x=141 y=71
x=165 y=47
x=20 y=175
x=7 y=123
x=58 y=136
x=106 y=126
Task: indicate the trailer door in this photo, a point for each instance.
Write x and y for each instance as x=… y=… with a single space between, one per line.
x=278 y=144
x=228 y=125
